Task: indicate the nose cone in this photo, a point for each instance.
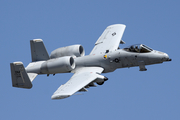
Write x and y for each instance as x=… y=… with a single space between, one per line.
x=166 y=57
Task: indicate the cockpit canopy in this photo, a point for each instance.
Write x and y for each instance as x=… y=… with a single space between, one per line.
x=140 y=48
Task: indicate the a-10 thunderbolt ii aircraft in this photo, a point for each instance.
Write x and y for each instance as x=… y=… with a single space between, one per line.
x=105 y=57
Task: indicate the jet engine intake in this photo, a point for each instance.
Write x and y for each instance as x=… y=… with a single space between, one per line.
x=73 y=50
x=58 y=65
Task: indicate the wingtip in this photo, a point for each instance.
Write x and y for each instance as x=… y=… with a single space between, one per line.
x=113 y=25
x=55 y=97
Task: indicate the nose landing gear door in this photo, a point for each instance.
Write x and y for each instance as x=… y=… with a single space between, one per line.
x=142 y=66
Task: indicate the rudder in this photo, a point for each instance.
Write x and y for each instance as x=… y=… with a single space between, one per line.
x=19 y=76
x=38 y=50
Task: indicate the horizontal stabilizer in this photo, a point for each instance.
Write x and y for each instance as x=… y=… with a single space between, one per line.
x=19 y=76
x=32 y=76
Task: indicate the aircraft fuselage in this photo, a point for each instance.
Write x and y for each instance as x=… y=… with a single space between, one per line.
x=121 y=59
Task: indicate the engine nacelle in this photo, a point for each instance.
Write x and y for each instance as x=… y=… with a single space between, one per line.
x=73 y=50
x=59 y=65
x=52 y=66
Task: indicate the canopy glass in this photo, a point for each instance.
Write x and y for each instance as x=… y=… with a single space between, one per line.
x=140 y=48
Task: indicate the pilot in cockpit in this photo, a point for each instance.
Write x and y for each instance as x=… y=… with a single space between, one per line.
x=140 y=48
x=136 y=49
x=131 y=49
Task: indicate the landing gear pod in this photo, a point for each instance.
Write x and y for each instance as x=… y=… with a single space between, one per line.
x=101 y=79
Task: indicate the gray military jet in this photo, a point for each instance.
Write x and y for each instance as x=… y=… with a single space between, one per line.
x=105 y=57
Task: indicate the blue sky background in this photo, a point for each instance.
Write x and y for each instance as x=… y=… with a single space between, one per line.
x=128 y=94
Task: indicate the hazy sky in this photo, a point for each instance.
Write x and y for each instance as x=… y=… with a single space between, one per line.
x=128 y=94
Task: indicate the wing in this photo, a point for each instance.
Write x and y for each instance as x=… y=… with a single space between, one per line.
x=81 y=79
x=109 y=40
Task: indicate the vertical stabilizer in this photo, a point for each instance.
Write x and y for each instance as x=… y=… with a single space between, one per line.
x=19 y=76
x=38 y=50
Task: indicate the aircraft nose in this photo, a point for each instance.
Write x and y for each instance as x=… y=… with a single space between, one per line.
x=166 y=57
